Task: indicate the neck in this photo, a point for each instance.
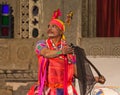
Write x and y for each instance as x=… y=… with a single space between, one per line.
x=56 y=40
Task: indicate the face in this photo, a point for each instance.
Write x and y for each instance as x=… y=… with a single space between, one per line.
x=53 y=31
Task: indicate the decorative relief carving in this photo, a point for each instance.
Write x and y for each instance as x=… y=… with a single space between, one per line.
x=4 y=53
x=23 y=53
x=35 y=17
x=17 y=53
x=101 y=46
x=24 y=18
x=116 y=51
x=96 y=50
x=18 y=75
x=25 y=34
x=22 y=65
x=35 y=10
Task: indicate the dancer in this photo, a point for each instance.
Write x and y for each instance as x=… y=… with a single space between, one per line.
x=56 y=61
x=60 y=64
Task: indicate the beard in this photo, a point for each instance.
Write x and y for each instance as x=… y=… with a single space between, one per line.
x=51 y=35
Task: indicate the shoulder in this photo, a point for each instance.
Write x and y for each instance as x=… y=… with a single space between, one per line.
x=41 y=42
x=40 y=45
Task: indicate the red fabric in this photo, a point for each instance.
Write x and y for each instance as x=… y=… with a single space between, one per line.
x=56 y=14
x=57 y=67
x=31 y=91
x=66 y=75
x=56 y=72
x=58 y=23
x=108 y=18
x=40 y=58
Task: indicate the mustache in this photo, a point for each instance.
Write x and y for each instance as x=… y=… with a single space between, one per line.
x=50 y=33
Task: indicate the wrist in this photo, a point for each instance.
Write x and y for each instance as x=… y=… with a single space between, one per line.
x=59 y=52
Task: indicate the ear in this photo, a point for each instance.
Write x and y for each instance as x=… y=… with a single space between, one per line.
x=61 y=32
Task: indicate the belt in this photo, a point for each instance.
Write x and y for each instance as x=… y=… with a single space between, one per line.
x=56 y=85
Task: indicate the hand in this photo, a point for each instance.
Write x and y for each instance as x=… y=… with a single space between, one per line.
x=100 y=79
x=67 y=50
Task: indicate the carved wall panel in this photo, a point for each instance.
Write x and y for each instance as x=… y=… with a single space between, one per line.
x=18 y=63
x=4 y=53
x=115 y=49
x=21 y=54
x=101 y=46
x=19 y=58
x=24 y=18
x=35 y=18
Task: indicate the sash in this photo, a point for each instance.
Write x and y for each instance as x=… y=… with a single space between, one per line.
x=42 y=74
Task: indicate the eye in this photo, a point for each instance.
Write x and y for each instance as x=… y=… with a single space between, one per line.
x=53 y=26
x=48 y=26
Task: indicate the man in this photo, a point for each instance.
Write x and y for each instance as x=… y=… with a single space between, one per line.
x=57 y=63
x=56 y=60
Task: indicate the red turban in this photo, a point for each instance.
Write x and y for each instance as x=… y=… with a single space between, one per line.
x=57 y=21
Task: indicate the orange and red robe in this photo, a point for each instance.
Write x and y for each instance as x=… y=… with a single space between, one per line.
x=59 y=72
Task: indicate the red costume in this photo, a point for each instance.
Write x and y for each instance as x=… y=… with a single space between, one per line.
x=60 y=70
x=55 y=75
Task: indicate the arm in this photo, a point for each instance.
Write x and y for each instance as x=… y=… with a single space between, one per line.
x=100 y=80
x=42 y=49
x=50 y=53
x=54 y=53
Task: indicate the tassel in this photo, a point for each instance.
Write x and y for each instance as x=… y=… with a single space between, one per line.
x=56 y=14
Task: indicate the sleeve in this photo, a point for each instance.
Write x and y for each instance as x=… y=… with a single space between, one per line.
x=39 y=46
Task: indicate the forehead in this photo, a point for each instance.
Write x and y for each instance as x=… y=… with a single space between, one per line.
x=52 y=24
x=55 y=26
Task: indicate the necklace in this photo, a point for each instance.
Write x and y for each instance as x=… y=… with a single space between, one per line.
x=58 y=46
